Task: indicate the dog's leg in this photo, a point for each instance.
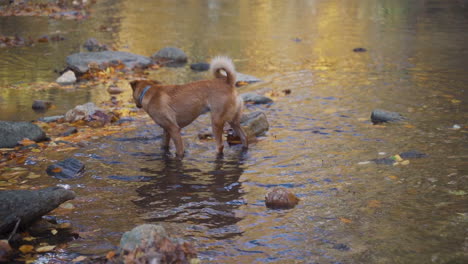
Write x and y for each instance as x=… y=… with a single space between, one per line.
x=217 y=128
x=166 y=140
x=240 y=132
x=174 y=131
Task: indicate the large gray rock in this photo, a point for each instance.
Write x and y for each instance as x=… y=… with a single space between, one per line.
x=79 y=62
x=29 y=205
x=11 y=132
x=170 y=55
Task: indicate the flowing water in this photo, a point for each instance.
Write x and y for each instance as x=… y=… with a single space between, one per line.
x=319 y=137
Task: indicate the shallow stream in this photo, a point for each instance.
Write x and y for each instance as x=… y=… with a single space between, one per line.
x=319 y=139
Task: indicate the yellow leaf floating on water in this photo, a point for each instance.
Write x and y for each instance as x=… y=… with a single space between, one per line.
x=346 y=220
x=26 y=142
x=374 y=203
x=455 y=101
x=397 y=158
x=393 y=177
x=79 y=259
x=26 y=249
x=45 y=249
x=33 y=175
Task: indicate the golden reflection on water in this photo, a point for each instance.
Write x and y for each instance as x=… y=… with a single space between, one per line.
x=414 y=64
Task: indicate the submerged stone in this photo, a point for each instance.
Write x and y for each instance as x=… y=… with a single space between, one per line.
x=382 y=116
x=255 y=98
x=70 y=168
x=201 y=66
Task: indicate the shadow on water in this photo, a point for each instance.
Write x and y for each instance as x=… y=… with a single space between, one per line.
x=186 y=193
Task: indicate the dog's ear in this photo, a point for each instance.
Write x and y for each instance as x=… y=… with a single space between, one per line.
x=134 y=84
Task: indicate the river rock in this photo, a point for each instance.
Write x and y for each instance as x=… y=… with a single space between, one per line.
x=170 y=56
x=382 y=116
x=150 y=243
x=70 y=168
x=241 y=77
x=255 y=98
x=29 y=205
x=11 y=132
x=67 y=78
x=114 y=89
x=255 y=124
x=201 y=66
x=41 y=105
x=280 y=198
x=68 y=132
x=87 y=112
x=79 y=62
x=412 y=154
x=92 y=44
x=50 y=119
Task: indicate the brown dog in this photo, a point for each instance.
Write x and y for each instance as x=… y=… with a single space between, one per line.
x=176 y=106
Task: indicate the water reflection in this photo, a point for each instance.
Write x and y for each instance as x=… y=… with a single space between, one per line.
x=183 y=191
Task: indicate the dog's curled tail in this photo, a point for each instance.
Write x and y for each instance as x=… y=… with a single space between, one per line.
x=223 y=63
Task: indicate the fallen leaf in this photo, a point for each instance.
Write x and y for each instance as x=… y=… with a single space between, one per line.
x=458 y=193
x=45 y=249
x=64 y=225
x=397 y=158
x=374 y=204
x=393 y=177
x=33 y=175
x=57 y=170
x=405 y=162
x=53 y=231
x=79 y=259
x=26 y=249
x=26 y=142
x=346 y=220
x=110 y=255
x=67 y=206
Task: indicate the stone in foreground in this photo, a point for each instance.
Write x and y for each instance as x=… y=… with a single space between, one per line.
x=27 y=206
x=11 y=132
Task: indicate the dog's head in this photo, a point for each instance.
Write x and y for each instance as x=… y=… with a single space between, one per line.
x=140 y=88
x=136 y=92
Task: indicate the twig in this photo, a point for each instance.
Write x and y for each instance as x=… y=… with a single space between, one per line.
x=14 y=229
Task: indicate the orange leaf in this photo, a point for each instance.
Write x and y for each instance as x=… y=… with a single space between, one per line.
x=346 y=220
x=57 y=170
x=110 y=255
x=26 y=142
x=374 y=203
x=26 y=249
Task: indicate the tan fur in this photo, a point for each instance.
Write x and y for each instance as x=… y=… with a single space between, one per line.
x=176 y=106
